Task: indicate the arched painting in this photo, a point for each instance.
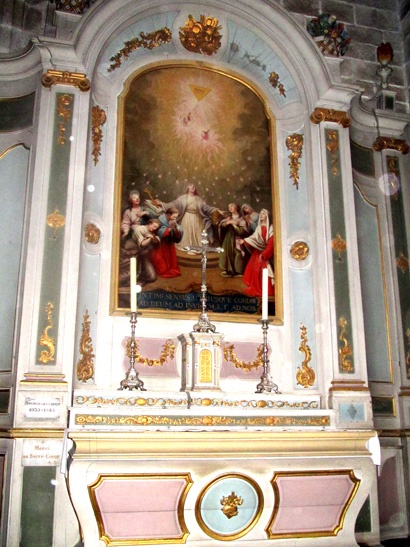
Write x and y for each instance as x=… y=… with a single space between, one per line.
x=194 y=157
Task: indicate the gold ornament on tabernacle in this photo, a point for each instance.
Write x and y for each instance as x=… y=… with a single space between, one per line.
x=299 y=250
x=92 y=233
x=305 y=376
x=98 y=119
x=346 y=351
x=384 y=143
x=85 y=366
x=274 y=82
x=333 y=147
x=147 y=41
x=47 y=355
x=55 y=221
x=76 y=79
x=65 y=113
x=329 y=115
x=402 y=262
x=201 y=36
x=294 y=143
x=230 y=505
x=205 y=366
x=167 y=353
x=339 y=245
x=230 y=355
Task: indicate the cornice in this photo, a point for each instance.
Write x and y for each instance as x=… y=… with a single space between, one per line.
x=377 y=121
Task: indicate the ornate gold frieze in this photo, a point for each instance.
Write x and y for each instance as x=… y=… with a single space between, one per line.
x=201 y=36
x=65 y=113
x=294 y=143
x=47 y=355
x=85 y=366
x=56 y=77
x=274 y=82
x=333 y=147
x=55 y=221
x=124 y=401
x=346 y=351
x=167 y=353
x=230 y=355
x=230 y=505
x=299 y=250
x=147 y=41
x=330 y=115
x=98 y=119
x=305 y=376
x=339 y=245
x=402 y=262
x=154 y=420
x=92 y=233
x=384 y=143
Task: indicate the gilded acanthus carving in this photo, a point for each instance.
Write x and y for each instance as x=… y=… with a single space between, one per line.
x=201 y=36
x=294 y=143
x=147 y=41
x=230 y=355
x=55 y=221
x=330 y=115
x=274 y=82
x=230 y=505
x=390 y=143
x=305 y=376
x=47 y=355
x=85 y=366
x=167 y=353
x=64 y=113
x=346 y=350
x=92 y=233
x=76 y=79
x=333 y=146
x=98 y=119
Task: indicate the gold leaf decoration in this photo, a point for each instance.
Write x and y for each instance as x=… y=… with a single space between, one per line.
x=333 y=147
x=98 y=119
x=65 y=113
x=47 y=355
x=346 y=351
x=294 y=143
x=201 y=36
x=92 y=233
x=305 y=376
x=402 y=262
x=230 y=505
x=299 y=250
x=230 y=355
x=339 y=245
x=85 y=366
x=384 y=143
x=55 y=221
x=274 y=82
x=167 y=353
x=147 y=41
x=76 y=79
x=329 y=115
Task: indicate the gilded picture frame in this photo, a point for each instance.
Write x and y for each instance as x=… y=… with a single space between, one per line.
x=196 y=150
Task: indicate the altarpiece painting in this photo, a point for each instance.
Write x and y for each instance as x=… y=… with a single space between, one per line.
x=194 y=156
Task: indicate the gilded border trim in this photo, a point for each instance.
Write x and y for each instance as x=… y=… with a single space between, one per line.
x=144 y=476
x=324 y=533
x=247 y=528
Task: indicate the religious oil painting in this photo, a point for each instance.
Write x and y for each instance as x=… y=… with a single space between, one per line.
x=194 y=160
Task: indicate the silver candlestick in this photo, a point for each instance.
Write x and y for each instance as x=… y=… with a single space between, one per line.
x=132 y=380
x=266 y=385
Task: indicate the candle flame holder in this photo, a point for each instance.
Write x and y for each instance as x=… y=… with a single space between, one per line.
x=132 y=380
x=266 y=384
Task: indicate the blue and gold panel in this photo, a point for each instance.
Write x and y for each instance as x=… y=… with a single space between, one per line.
x=229 y=506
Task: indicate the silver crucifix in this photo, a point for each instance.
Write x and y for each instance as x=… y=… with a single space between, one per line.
x=204 y=324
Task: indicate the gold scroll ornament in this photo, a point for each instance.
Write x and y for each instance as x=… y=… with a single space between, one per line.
x=333 y=147
x=55 y=221
x=201 y=36
x=230 y=355
x=92 y=233
x=274 y=82
x=147 y=41
x=294 y=143
x=65 y=113
x=76 y=79
x=346 y=351
x=330 y=115
x=339 y=245
x=47 y=355
x=384 y=143
x=85 y=366
x=230 y=505
x=98 y=119
x=167 y=353
x=299 y=250
x=305 y=376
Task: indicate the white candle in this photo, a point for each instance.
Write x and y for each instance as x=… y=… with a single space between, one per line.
x=265 y=293
x=133 y=284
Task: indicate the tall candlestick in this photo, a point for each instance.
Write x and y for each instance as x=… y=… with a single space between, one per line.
x=133 y=284
x=265 y=293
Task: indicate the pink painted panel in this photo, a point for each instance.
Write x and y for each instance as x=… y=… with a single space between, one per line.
x=138 y=508
x=246 y=352
x=310 y=503
x=151 y=348
x=389 y=506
